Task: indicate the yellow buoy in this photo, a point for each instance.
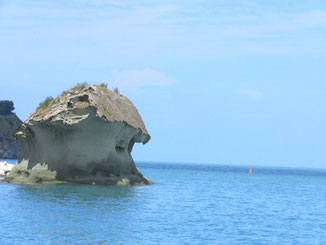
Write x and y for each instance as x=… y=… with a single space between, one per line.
x=250 y=170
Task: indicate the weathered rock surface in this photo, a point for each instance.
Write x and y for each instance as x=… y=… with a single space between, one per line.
x=9 y=122
x=9 y=149
x=86 y=135
x=5 y=168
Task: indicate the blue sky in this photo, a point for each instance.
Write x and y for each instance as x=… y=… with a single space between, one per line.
x=226 y=82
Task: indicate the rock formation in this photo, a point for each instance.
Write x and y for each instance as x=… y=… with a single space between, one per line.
x=86 y=135
x=5 y=168
x=9 y=122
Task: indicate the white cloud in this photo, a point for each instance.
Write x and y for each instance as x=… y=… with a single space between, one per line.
x=252 y=93
x=140 y=29
x=134 y=79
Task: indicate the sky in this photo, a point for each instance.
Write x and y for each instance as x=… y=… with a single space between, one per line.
x=216 y=81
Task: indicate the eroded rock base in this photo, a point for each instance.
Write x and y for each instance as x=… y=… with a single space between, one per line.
x=41 y=174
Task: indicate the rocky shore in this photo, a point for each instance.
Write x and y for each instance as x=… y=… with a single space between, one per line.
x=5 y=168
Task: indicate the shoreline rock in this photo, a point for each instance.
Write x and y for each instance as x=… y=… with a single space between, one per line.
x=5 y=168
x=86 y=135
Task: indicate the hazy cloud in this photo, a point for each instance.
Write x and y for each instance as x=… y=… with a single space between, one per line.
x=138 y=78
x=255 y=94
x=225 y=28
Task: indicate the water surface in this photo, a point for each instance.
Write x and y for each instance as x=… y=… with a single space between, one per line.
x=190 y=204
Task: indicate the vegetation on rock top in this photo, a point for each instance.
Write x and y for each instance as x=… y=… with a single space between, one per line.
x=6 y=107
x=9 y=122
x=46 y=103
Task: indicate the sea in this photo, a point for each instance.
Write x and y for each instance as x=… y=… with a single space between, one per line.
x=189 y=204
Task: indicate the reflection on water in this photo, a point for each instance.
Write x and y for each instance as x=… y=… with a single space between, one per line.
x=63 y=192
x=70 y=213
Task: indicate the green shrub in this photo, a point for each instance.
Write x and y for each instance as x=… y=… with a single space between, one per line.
x=8 y=124
x=45 y=104
x=6 y=107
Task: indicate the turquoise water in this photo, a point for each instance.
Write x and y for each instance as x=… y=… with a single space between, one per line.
x=190 y=204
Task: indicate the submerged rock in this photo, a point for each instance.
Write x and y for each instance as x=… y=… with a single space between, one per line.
x=86 y=135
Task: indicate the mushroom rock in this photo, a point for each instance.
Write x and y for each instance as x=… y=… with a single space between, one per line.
x=85 y=135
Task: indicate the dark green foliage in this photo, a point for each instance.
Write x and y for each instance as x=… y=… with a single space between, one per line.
x=8 y=125
x=104 y=85
x=116 y=90
x=6 y=107
x=45 y=104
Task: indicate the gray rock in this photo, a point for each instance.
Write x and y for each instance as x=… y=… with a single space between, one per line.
x=9 y=149
x=9 y=122
x=86 y=135
x=5 y=168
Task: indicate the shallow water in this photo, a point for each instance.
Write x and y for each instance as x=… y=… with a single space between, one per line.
x=190 y=204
